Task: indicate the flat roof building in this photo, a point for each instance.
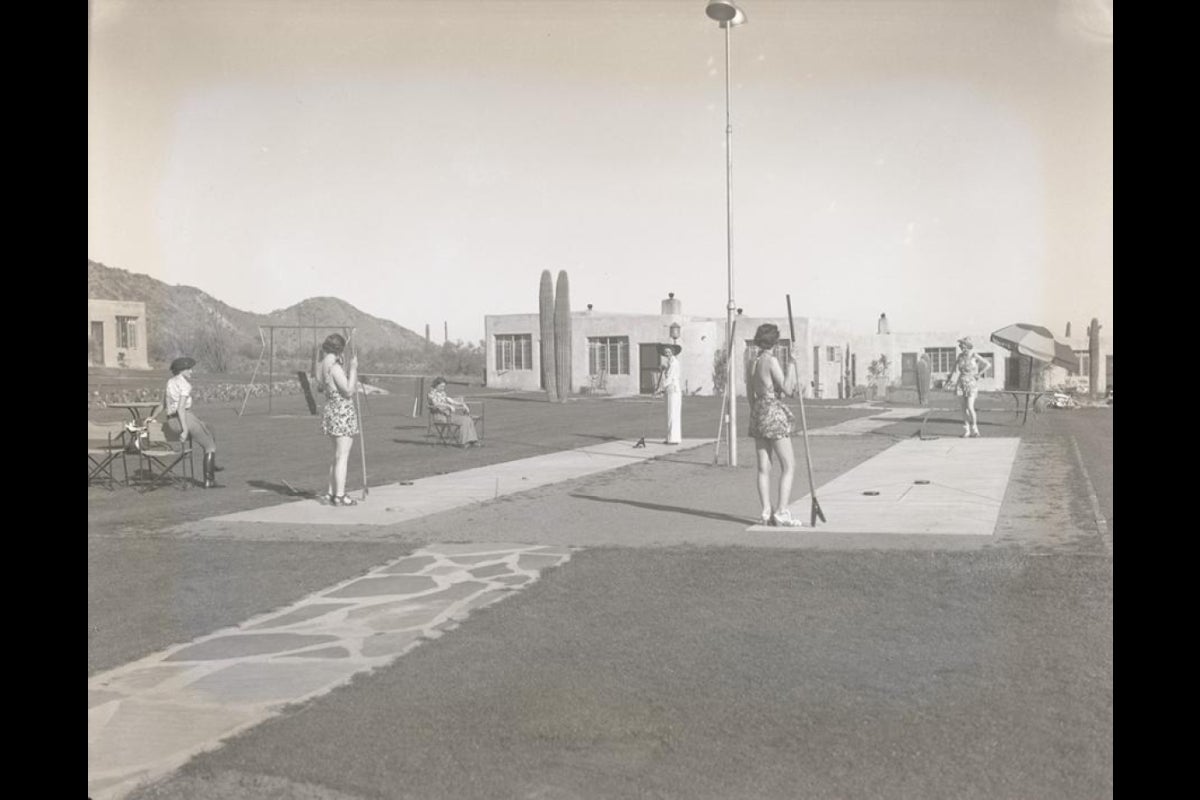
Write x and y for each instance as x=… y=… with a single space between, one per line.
x=616 y=353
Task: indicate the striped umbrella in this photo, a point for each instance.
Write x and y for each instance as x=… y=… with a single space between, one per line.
x=1037 y=343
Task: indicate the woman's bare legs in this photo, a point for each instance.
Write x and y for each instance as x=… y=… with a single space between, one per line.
x=970 y=418
x=762 y=448
x=787 y=462
x=333 y=469
x=342 y=446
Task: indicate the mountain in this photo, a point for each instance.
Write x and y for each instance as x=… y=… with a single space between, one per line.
x=177 y=317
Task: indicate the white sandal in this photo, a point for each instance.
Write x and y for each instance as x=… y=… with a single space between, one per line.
x=784 y=520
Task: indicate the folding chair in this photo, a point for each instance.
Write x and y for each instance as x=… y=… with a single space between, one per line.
x=164 y=458
x=446 y=429
x=103 y=451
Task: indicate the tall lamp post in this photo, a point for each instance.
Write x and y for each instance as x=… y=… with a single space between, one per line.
x=727 y=15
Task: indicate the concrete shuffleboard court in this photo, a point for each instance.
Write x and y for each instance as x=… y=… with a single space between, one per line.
x=940 y=486
x=392 y=503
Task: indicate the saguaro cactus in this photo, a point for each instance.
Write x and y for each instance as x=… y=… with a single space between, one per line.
x=546 y=324
x=1094 y=359
x=562 y=337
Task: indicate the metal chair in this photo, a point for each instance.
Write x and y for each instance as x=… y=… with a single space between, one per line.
x=164 y=458
x=103 y=452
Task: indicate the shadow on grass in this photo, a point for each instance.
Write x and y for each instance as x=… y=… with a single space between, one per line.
x=668 y=509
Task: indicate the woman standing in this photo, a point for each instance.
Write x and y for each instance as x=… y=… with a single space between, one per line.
x=183 y=422
x=456 y=411
x=771 y=426
x=669 y=385
x=970 y=367
x=339 y=421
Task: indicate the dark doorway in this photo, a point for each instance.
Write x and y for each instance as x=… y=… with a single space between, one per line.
x=98 y=344
x=648 y=366
x=908 y=369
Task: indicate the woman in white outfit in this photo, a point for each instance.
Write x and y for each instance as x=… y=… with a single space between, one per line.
x=669 y=384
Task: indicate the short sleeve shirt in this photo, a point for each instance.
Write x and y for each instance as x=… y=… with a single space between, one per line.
x=179 y=391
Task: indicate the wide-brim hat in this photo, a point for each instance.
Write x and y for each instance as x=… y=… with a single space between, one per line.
x=674 y=348
x=182 y=363
x=966 y=342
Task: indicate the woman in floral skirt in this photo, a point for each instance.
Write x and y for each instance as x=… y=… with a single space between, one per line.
x=771 y=425
x=339 y=420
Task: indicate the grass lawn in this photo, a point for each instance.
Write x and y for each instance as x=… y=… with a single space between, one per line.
x=263 y=453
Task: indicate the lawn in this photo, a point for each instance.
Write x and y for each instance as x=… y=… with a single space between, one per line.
x=265 y=453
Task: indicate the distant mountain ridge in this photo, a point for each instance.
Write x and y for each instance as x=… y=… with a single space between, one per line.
x=174 y=315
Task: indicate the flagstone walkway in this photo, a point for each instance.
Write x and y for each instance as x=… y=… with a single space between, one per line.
x=151 y=716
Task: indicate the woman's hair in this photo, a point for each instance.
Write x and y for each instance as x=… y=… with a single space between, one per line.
x=767 y=335
x=334 y=343
x=439 y=381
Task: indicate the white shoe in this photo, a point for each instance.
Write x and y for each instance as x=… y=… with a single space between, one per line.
x=783 y=519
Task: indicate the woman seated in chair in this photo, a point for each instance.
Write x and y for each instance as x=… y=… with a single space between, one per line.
x=183 y=422
x=456 y=411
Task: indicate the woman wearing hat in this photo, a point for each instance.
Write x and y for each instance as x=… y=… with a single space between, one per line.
x=969 y=367
x=182 y=421
x=339 y=420
x=670 y=386
x=771 y=426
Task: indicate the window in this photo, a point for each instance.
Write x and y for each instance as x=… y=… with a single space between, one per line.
x=514 y=351
x=1085 y=361
x=127 y=332
x=781 y=350
x=941 y=359
x=833 y=353
x=608 y=354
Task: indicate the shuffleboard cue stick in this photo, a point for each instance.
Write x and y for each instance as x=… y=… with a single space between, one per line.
x=812 y=489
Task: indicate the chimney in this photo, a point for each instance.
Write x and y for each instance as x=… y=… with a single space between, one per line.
x=1068 y=333
x=882 y=326
x=671 y=306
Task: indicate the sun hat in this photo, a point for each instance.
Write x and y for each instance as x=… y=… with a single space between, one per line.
x=182 y=363
x=675 y=348
x=966 y=341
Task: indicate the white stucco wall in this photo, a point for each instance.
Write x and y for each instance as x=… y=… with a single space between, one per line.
x=703 y=337
x=105 y=312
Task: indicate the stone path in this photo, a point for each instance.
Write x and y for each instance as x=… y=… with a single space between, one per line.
x=392 y=503
x=149 y=717
x=939 y=486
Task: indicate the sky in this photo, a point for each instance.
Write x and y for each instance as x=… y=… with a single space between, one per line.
x=946 y=162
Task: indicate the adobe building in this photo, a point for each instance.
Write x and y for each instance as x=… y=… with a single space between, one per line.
x=616 y=353
x=117 y=334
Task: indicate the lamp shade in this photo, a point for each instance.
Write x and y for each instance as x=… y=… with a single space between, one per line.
x=674 y=330
x=724 y=12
